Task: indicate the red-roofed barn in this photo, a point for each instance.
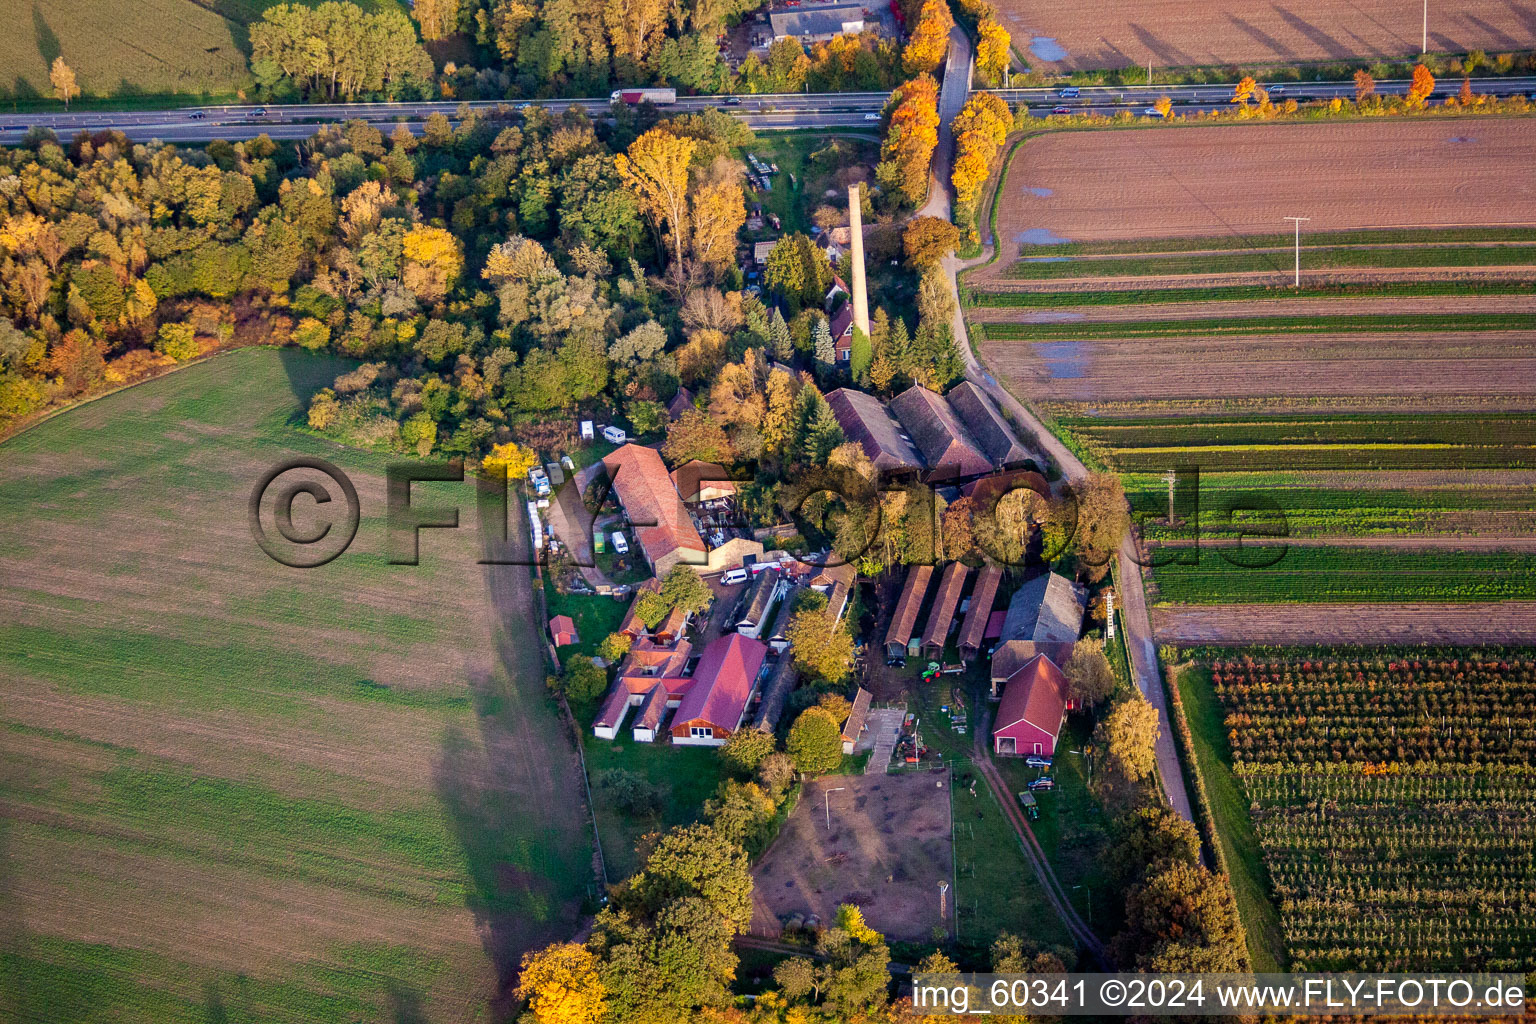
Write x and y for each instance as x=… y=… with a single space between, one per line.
x=714 y=706
x=1029 y=716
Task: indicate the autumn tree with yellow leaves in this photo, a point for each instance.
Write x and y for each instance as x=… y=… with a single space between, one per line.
x=655 y=170
x=512 y=457
x=62 y=76
x=980 y=128
x=562 y=985
x=719 y=210
x=994 y=50
x=929 y=41
x=907 y=153
x=433 y=262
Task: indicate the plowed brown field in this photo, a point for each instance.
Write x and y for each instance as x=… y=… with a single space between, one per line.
x=1231 y=181
x=1504 y=622
x=1120 y=33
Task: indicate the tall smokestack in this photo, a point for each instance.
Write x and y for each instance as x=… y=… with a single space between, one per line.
x=856 y=228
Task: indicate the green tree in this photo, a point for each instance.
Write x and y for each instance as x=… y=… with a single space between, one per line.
x=1182 y=918
x=696 y=861
x=683 y=588
x=815 y=741
x=822 y=647
x=1128 y=735
x=746 y=750
x=582 y=681
x=1090 y=679
x=177 y=341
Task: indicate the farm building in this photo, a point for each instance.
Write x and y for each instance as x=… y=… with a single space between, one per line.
x=864 y=419
x=1030 y=713
x=1044 y=617
x=855 y=724
x=562 y=630
x=974 y=629
x=681 y=403
x=653 y=709
x=757 y=604
x=776 y=693
x=942 y=615
x=817 y=24
x=666 y=532
x=835 y=581
x=702 y=481
x=722 y=686
x=899 y=636
x=947 y=447
x=653 y=678
x=842 y=333
x=778 y=636
x=986 y=424
x=671 y=629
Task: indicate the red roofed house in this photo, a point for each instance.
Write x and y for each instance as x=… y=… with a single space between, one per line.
x=563 y=631
x=715 y=704
x=947 y=446
x=702 y=481
x=1029 y=716
x=842 y=332
x=663 y=528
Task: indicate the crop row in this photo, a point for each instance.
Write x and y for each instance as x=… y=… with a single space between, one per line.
x=1432 y=870
x=1341 y=324
x=1271 y=241
x=1511 y=429
x=1047 y=268
x=1403 y=712
x=1239 y=293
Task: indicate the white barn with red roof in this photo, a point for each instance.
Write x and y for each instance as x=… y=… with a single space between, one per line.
x=716 y=703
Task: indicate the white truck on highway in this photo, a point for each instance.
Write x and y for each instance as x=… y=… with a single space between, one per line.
x=637 y=96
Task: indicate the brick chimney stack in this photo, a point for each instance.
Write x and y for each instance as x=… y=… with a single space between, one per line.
x=856 y=230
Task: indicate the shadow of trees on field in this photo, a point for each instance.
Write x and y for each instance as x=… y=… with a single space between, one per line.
x=511 y=790
x=48 y=45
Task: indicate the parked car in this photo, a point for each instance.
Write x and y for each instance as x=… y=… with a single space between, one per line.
x=1061 y=110
x=620 y=545
x=1044 y=784
x=734 y=577
x=1036 y=761
x=896 y=662
x=614 y=435
x=1069 y=92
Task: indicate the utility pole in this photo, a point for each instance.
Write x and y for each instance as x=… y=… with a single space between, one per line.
x=1297 y=221
x=826 y=799
x=1171 y=479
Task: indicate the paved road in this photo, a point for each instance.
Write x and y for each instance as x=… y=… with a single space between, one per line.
x=296 y=121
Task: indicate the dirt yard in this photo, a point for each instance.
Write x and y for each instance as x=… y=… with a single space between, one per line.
x=887 y=851
x=1231 y=181
x=1504 y=622
x=1057 y=37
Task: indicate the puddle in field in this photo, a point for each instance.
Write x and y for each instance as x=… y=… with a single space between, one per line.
x=1046 y=48
x=1065 y=359
x=1039 y=236
x=1044 y=259
x=1462 y=138
x=1036 y=190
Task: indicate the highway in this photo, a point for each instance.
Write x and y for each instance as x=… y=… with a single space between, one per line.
x=774 y=112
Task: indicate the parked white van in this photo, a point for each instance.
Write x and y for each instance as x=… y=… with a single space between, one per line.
x=615 y=435
x=734 y=577
x=620 y=545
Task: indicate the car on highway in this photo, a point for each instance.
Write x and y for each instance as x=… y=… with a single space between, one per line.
x=1153 y=112
x=1069 y=92
x=258 y=112
x=732 y=101
x=1276 y=90
x=523 y=107
x=1061 y=110
x=197 y=115
x=871 y=117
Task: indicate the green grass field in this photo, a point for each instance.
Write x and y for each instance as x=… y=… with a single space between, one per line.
x=238 y=791
x=1343 y=574
x=1314 y=240
x=690 y=774
x=1052 y=268
x=1237 y=293
x=1229 y=808
x=193 y=47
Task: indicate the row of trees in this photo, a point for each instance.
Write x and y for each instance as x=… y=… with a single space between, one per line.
x=337 y=50
x=979 y=129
